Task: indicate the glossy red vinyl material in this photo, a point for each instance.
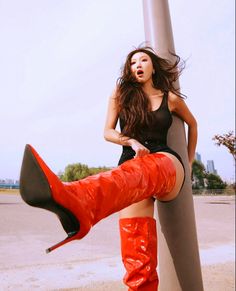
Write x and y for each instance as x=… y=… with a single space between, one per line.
x=95 y=197
x=139 y=252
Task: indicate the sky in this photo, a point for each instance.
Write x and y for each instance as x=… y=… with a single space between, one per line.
x=59 y=62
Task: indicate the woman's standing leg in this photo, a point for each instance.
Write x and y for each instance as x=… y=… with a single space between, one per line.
x=139 y=246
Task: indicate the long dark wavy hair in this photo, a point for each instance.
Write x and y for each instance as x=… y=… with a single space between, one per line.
x=133 y=104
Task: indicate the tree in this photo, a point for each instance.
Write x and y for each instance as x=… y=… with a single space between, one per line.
x=198 y=175
x=214 y=182
x=94 y=171
x=74 y=172
x=228 y=140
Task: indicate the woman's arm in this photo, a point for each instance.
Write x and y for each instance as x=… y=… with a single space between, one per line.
x=178 y=106
x=112 y=135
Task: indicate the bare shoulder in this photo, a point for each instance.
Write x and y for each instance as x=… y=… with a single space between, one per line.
x=115 y=93
x=113 y=101
x=174 y=101
x=178 y=106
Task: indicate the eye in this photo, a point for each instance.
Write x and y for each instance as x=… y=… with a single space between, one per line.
x=144 y=60
x=132 y=63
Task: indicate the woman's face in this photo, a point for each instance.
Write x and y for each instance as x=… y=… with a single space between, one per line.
x=142 y=67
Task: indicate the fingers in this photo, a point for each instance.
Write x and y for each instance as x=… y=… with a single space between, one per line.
x=140 y=152
x=139 y=149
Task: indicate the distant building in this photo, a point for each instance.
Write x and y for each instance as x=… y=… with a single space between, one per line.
x=9 y=184
x=9 y=181
x=198 y=157
x=211 y=167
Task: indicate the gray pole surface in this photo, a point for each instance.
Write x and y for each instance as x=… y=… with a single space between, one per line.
x=179 y=263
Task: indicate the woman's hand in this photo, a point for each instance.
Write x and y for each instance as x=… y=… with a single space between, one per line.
x=139 y=149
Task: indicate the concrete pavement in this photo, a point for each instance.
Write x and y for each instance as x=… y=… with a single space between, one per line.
x=94 y=262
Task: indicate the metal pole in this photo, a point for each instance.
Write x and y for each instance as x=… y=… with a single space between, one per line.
x=179 y=262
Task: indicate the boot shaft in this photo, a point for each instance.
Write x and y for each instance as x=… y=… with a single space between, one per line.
x=139 y=252
x=133 y=181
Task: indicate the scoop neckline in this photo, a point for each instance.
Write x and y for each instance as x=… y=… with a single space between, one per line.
x=155 y=110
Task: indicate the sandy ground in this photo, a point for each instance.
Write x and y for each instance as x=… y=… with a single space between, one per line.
x=94 y=263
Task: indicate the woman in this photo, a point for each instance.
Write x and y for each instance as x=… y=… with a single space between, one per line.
x=143 y=101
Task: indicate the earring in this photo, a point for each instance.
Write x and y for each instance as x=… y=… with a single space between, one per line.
x=153 y=72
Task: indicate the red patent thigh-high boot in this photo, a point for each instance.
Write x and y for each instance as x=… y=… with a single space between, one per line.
x=139 y=252
x=81 y=204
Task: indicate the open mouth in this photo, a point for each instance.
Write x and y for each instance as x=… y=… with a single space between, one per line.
x=140 y=73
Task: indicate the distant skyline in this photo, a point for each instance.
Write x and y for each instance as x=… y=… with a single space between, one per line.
x=210 y=167
x=59 y=62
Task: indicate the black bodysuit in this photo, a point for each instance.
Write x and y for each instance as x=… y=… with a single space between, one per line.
x=155 y=136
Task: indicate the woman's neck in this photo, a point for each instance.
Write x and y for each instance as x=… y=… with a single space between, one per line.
x=149 y=90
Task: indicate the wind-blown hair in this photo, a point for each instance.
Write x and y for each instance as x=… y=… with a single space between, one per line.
x=133 y=104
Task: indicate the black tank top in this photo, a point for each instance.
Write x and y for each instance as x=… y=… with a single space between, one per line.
x=154 y=136
x=161 y=120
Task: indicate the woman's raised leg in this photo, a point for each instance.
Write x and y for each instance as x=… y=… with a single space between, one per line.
x=79 y=205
